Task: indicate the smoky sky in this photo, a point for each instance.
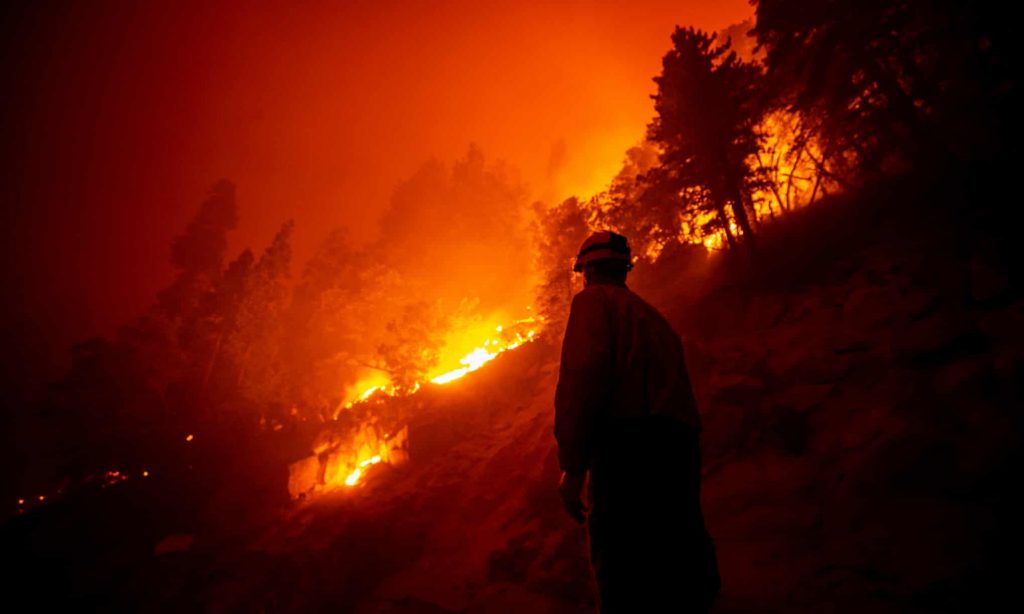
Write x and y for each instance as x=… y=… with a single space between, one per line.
x=119 y=116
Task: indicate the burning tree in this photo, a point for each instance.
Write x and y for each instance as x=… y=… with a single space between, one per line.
x=560 y=230
x=708 y=109
x=881 y=83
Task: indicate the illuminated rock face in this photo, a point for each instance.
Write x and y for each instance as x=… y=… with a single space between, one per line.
x=303 y=476
x=343 y=463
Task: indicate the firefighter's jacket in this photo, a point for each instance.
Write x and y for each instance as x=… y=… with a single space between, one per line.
x=620 y=360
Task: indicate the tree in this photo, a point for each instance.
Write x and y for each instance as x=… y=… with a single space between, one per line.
x=255 y=342
x=560 y=230
x=884 y=80
x=634 y=208
x=412 y=345
x=198 y=254
x=707 y=111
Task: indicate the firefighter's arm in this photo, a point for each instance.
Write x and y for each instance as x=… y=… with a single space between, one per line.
x=583 y=380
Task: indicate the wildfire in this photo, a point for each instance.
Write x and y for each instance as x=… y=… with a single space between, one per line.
x=354 y=476
x=471 y=361
x=343 y=458
x=793 y=177
x=479 y=356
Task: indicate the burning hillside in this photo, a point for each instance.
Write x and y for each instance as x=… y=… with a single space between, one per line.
x=364 y=433
x=359 y=419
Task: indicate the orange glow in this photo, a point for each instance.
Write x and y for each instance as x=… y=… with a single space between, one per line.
x=21 y=502
x=571 y=83
x=569 y=80
x=472 y=361
x=353 y=477
x=509 y=338
x=368 y=446
x=343 y=459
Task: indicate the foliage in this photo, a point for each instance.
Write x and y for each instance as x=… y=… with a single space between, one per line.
x=884 y=82
x=707 y=113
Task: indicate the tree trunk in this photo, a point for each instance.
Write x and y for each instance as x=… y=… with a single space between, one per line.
x=740 y=211
x=213 y=360
x=773 y=183
x=724 y=221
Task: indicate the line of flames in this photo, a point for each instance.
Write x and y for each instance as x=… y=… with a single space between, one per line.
x=471 y=361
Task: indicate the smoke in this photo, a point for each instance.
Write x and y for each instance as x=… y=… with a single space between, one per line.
x=452 y=262
x=742 y=43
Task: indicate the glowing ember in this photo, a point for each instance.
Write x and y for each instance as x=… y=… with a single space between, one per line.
x=472 y=361
x=480 y=356
x=189 y=438
x=355 y=475
x=476 y=358
x=21 y=502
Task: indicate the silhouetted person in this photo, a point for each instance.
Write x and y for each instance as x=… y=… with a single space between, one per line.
x=625 y=413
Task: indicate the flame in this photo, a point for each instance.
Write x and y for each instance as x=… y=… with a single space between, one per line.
x=355 y=475
x=343 y=458
x=481 y=355
x=794 y=180
x=471 y=361
x=189 y=437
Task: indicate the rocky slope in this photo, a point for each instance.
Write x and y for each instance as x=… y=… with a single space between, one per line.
x=859 y=382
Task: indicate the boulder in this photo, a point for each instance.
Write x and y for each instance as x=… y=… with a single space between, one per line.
x=303 y=476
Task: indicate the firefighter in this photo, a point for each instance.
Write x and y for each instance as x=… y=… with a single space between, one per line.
x=626 y=415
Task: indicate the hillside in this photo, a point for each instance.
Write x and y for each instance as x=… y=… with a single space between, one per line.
x=859 y=383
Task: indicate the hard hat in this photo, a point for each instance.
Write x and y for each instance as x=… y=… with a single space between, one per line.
x=604 y=245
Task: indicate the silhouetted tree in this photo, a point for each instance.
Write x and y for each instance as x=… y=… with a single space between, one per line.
x=885 y=80
x=708 y=108
x=631 y=205
x=198 y=254
x=255 y=345
x=216 y=319
x=412 y=344
x=560 y=231
x=103 y=415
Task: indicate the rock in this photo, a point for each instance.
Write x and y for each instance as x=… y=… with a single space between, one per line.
x=178 y=542
x=303 y=476
x=765 y=311
x=918 y=304
x=737 y=389
x=820 y=368
x=937 y=339
x=868 y=307
x=803 y=397
x=790 y=431
x=988 y=283
x=723 y=427
x=968 y=372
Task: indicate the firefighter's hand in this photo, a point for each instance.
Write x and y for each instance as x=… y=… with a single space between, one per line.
x=571 y=490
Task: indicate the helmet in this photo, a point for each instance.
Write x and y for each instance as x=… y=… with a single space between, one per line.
x=604 y=245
